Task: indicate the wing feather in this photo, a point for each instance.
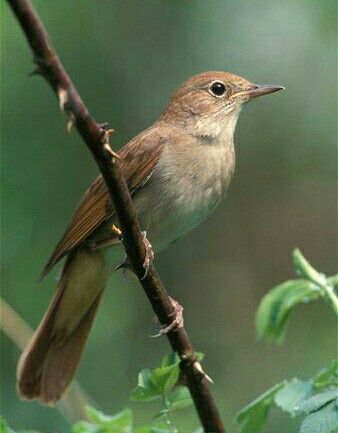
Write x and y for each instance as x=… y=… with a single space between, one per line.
x=138 y=159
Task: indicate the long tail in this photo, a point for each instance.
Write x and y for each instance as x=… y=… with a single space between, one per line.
x=47 y=365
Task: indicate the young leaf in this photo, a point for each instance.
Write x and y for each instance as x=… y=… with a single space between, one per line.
x=159 y=382
x=171 y=359
x=293 y=395
x=162 y=424
x=321 y=421
x=276 y=306
x=326 y=375
x=199 y=356
x=86 y=427
x=143 y=429
x=317 y=401
x=180 y=398
x=253 y=417
x=122 y=422
x=164 y=429
x=165 y=378
x=146 y=390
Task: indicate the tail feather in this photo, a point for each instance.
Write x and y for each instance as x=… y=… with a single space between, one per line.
x=47 y=365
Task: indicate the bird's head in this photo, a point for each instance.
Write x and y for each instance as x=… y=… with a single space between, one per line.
x=209 y=103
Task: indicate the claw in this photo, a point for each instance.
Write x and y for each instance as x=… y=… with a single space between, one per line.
x=149 y=254
x=177 y=323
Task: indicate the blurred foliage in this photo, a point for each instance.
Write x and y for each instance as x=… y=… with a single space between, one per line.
x=159 y=383
x=316 y=398
x=126 y=58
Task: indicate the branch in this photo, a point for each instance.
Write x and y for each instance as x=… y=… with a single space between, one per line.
x=73 y=405
x=97 y=140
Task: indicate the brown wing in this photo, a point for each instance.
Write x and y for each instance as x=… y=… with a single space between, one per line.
x=138 y=160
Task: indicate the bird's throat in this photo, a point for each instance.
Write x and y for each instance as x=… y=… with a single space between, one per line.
x=216 y=129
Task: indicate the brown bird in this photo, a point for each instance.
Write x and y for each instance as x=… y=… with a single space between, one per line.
x=178 y=171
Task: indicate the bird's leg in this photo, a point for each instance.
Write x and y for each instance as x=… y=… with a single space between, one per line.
x=178 y=321
x=148 y=258
x=149 y=254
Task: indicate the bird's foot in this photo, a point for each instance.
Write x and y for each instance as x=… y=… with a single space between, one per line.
x=148 y=258
x=178 y=320
x=149 y=254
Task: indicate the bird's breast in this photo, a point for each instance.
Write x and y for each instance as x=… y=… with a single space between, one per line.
x=185 y=188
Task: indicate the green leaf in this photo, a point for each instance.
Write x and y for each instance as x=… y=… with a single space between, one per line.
x=330 y=373
x=160 y=382
x=161 y=425
x=171 y=359
x=166 y=378
x=143 y=429
x=121 y=422
x=199 y=356
x=321 y=421
x=179 y=399
x=86 y=427
x=155 y=429
x=292 y=395
x=253 y=417
x=317 y=401
x=275 y=308
x=155 y=384
x=146 y=389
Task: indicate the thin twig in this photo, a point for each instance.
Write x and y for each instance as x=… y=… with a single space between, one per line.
x=73 y=404
x=95 y=138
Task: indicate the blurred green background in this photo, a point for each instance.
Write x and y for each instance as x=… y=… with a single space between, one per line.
x=127 y=57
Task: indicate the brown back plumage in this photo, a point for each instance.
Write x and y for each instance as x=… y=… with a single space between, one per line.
x=138 y=160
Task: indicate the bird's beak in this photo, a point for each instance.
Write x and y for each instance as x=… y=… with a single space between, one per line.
x=263 y=89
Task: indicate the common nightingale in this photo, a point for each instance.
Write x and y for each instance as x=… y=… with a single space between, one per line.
x=178 y=171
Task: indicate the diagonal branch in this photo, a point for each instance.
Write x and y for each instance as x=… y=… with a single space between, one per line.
x=97 y=140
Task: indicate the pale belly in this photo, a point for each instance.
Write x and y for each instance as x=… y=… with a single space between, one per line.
x=171 y=206
x=178 y=197
x=169 y=221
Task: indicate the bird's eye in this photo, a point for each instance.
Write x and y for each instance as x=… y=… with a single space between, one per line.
x=217 y=88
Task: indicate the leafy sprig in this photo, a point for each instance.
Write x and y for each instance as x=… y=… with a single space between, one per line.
x=314 y=399
x=161 y=383
x=275 y=308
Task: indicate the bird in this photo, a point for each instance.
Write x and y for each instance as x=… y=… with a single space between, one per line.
x=178 y=170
